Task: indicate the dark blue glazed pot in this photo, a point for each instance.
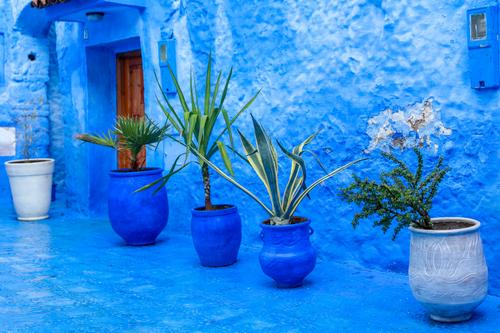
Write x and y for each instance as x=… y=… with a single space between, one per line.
x=216 y=235
x=287 y=255
x=137 y=217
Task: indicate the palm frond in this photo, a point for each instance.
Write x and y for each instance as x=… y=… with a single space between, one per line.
x=105 y=140
x=130 y=134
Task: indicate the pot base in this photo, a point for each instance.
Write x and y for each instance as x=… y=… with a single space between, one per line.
x=217 y=264
x=141 y=243
x=32 y=219
x=456 y=319
x=289 y=285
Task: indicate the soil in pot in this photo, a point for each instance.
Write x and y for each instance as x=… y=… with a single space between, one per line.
x=132 y=170
x=214 y=207
x=35 y=160
x=451 y=225
x=293 y=220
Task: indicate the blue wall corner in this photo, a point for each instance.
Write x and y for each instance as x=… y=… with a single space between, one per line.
x=2 y=59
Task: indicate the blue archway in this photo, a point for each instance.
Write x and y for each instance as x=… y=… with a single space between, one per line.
x=36 y=22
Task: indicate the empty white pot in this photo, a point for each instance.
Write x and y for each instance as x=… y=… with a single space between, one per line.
x=31 y=187
x=448 y=272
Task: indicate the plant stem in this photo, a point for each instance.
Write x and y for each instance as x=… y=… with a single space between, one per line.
x=134 y=159
x=206 y=185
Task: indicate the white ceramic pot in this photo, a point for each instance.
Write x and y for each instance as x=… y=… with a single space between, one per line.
x=448 y=272
x=31 y=187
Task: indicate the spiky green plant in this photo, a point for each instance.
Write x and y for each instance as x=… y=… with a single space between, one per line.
x=129 y=134
x=197 y=126
x=400 y=196
x=263 y=159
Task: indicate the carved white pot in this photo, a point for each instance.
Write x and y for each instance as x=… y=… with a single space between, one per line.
x=31 y=187
x=448 y=272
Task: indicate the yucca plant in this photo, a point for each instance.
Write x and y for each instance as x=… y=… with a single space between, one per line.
x=263 y=158
x=197 y=125
x=130 y=134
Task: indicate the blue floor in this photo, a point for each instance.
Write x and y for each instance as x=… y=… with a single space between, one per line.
x=74 y=275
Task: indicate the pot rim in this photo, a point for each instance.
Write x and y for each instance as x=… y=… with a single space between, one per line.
x=149 y=171
x=476 y=225
x=198 y=211
x=286 y=226
x=38 y=161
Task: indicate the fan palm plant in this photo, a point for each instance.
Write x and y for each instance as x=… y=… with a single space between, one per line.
x=130 y=134
x=197 y=125
x=263 y=159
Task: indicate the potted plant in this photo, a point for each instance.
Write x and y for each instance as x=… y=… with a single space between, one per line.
x=30 y=179
x=287 y=255
x=447 y=270
x=137 y=216
x=215 y=228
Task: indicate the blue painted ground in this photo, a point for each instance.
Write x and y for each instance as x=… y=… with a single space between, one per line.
x=71 y=274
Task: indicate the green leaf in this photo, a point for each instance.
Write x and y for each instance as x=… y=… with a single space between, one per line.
x=213 y=148
x=224 y=91
x=201 y=127
x=234 y=182
x=196 y=126
x=175 y=121
x=225 y=157
x=319 y=181
x=269 y=160
x=182 y=99
x=207 y=84
x=254 y=160
x=295 y=183
x=105 y=140
x=216 y=91
x=164 y=179
x=228 y=127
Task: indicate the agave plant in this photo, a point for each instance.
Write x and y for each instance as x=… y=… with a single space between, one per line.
x=197 y=126
x=263 y=159
x=130 y=134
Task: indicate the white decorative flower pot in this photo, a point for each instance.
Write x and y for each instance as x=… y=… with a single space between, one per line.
x=448 y=272
x=31 y=187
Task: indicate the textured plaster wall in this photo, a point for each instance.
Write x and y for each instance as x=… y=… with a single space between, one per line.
x=23 y=97
x=370 y=74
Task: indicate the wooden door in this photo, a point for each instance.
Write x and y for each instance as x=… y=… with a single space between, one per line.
x=130 y=95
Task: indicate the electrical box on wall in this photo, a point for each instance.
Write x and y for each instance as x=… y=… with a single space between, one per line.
x=167 y=55
x=484 y=54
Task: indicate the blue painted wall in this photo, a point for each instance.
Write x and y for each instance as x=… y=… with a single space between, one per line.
x=370 y=74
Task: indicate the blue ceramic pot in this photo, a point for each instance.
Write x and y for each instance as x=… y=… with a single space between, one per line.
x=216 y=235
x=287 y=255
x=137 y=217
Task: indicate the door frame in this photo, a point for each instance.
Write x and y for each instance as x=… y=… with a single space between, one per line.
x=100 y=117
x=122 y=85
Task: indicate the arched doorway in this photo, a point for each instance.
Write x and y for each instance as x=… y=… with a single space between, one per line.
x=85 y=62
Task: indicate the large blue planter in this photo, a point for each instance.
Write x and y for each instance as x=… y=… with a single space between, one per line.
x=216 y=235
x=137 y=217
x=287 y=255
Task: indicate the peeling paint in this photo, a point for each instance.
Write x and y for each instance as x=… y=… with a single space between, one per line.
x=7 y=141
x=415 y=124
